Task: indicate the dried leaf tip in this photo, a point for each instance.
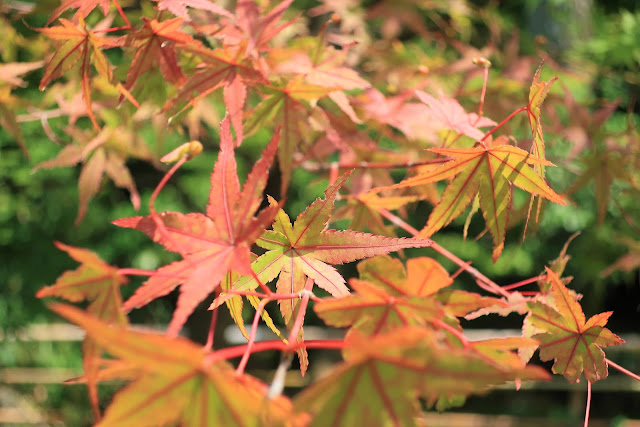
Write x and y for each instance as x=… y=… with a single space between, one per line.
x=189 y=149
x=481 y=62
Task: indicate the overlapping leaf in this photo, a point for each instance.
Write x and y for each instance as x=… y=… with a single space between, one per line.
x=305 y=249
x=84 y=8
x=385 y=375
x=211 y=244
x=176 y=384
x=489 y=173
x=98 y=282
x=573 y=343
x=78 y=45
x=179 y=7
x=155 y=45
x=104 y=154
x=387 y=297
x=537 y=94
x=225 y=67
x=450 y=115
x=289 y=107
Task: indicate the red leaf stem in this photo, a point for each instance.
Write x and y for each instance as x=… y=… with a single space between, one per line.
x=483 y=281
x=276 y=345
x=623 y=370
x=502 y=123
x=524 y=282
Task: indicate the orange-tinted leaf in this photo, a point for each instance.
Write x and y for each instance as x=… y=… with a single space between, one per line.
x=305 y=249
x=573 y=343
x=177 y=385
x=99 y=283
x=487 y=172
x=78 y=45
x=211 y=244
x=84 y=8
x=386 y=374
x=105 y=153
x=225 y=67
x=290 y=107
x=154 y=47
x=387 y=297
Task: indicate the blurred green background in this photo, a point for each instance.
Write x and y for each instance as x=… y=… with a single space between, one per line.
x=600 y=40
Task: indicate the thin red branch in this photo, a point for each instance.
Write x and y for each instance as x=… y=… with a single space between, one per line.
x=524 y=282
x=483 y=281
x=212 y=327
x=586 y=415
x=252 y=336
x=623 y=370
x=276 y=345
x=121 y=12
x=499 y=125
x=323 y=166
x=152 y=208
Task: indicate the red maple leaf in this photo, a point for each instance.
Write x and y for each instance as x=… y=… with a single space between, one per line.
x=213 y=244
x=450 y=114
x=179 y=7
x=84 y=8
x=154 y=47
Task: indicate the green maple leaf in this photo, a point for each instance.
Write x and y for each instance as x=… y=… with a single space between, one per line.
x=385 y=375
x=305 y=249
x=175 y=383
x=574 y=344
x=99 y=283
x=537 y=94
x=292 y=107
x=487 y=172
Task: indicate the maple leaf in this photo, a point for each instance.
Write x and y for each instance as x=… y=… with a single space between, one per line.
x=9 y=76
x=154 y=46
x=603 y=167
x=79 y=45
x=627 y=262
x=211 y=244
x=99 y=283
x=305 y=249
x=84 y=8
x=324 y=68
x=290 y=107
x=179 y=7
x=362 y=211
x=385 y=375
x=410 y=118
x=450 y=115
x=573 y=343
x=177 y=386
x=249 y=26
x=226 y=67
x=487 y=172
x=537 y=94
x=106 y=153
x=387 y=297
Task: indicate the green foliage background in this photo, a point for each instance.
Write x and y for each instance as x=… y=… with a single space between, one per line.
x=38 y=208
